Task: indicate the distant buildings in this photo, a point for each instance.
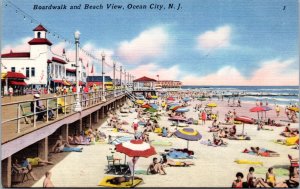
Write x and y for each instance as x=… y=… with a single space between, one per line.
x=41 y=67
x=149 y=83
x=169 y=84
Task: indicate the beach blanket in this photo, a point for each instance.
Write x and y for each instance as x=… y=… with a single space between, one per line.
x=277 y=171
x=245 y=161
x=290 y=141
x=161 y=143
x=128 y=184
x=211 y=144
x=67 y=149
x=178 y=155
x=122 y=139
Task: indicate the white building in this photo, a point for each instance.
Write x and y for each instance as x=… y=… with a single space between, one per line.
x=40 y=65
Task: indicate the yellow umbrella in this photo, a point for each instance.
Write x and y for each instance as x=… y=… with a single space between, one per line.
x=296 y=109
x=3 y=75
x=212 y=104
x=154 y=97
x=139 y=102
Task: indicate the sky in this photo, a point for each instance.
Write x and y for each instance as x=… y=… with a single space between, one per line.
x=205 y=42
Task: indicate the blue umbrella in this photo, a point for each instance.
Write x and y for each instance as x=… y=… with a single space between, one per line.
x=186 y=99
x=154 y=105
x=182 y=110
x=266 y=108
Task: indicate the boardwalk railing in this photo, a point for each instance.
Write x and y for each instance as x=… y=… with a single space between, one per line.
x=20 y=116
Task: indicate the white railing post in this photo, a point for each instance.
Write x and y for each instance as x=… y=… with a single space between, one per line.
x=65 y=105
x=18 y=124
x=34 y=114
x=47 y=108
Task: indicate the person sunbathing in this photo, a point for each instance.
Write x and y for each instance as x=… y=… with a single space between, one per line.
x=119 y=180
x=156 y=168
x=219 y=142
x=47 y=182
x=214 y=129
x=61 y=146
x=145 y=137
x=38 y=161
x=169 y=162
x=223 y=133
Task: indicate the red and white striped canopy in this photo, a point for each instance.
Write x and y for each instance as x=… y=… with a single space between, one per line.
x=136 y=148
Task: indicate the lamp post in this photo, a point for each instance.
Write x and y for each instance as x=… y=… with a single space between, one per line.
x=121 y=78
x=77 y=105
x=103 y=78
x=114 y=75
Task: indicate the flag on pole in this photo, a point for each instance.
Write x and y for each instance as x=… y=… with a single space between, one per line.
x=92 y=71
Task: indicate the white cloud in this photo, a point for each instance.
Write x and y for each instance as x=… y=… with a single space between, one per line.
x=152 y=70
x=19 y=46
x=212 y=40
x=273 y=72
x=150 y=43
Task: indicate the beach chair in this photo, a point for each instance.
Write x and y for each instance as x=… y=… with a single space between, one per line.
x=294 y=162
x=111 y=165
x=18 y=177
x=26 y=112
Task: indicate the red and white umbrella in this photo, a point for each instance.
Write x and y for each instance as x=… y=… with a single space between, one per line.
x=136 y=148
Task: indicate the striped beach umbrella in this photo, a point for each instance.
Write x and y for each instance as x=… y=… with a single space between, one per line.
x=136 y=148
x=181 y=110
x=188 y=134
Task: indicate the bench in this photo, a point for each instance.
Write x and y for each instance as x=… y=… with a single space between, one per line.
x=26 y=111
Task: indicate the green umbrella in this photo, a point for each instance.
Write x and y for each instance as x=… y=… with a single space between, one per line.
x=150 y=110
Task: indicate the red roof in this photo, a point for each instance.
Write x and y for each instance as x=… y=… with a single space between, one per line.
x=58 y=60
x=16 y=55
x=144 y=79
x=39 y=41
x=16 y=75
x=20 y=83
x=40 y=28
x=49 y=61
x=70 y=70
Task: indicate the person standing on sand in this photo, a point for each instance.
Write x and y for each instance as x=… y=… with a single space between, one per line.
x=277 y=109
x=257 y=103
x=47 y=182
x=203 y=117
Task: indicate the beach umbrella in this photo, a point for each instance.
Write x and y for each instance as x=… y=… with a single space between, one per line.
x=174 y=107
x=257 y=109
x=150 y=110
x=188 y=134
x=266 y=108
x=182 y=109
x=295 y=109
x=211 y=105
x=170 y=98
x=146 y=106
x=120 y=140
x=155 y=106
x=136 y=148
x=139 y=102
x=186 y=99
x=244 y=119
x=201 y=99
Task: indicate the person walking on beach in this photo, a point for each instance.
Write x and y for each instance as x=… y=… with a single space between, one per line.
x=47 y=182
x=203 y=117
x=257 y=103
x=261 y=103
x=277 y=109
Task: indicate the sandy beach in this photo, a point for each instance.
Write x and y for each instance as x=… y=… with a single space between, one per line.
x=214 y=166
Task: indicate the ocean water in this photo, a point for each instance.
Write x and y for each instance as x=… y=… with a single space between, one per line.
x=268 y=91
